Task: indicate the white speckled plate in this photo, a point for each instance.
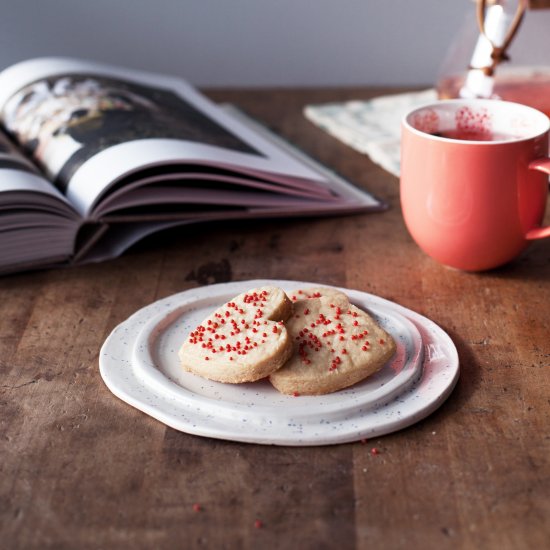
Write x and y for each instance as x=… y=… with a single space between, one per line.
x=138 y=362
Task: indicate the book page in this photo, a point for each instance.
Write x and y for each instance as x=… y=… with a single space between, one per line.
x=19 y=175
x=11 y=158
x=88 y=125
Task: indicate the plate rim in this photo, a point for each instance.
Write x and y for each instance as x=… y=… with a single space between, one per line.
x=422 y=324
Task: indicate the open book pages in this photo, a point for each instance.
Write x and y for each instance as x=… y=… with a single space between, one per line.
x=94 y=158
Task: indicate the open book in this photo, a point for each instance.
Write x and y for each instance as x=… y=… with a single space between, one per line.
x=94 y=158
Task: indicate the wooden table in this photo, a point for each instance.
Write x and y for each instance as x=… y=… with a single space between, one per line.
x=82 y=469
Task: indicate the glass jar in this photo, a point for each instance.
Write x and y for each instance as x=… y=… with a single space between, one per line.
x=521 y=74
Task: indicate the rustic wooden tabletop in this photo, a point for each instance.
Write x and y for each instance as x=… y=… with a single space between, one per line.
x=82 y=469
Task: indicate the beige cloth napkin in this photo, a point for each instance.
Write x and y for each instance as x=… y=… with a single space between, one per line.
x=372 y=127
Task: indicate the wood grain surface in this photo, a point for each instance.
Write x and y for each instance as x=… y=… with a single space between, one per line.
x=81 y=469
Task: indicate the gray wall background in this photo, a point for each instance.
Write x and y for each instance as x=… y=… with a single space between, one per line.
x=243 y=42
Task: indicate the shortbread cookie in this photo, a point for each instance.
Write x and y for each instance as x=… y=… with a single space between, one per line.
x=336 y=344
x=317 y=292
x=242 y=341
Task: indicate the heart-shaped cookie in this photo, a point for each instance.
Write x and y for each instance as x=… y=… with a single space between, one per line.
x=242 y=341
x=336 y=344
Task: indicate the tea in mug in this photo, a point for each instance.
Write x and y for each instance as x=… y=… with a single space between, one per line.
x=473 y=135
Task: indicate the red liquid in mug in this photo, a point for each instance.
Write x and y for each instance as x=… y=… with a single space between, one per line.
x=468 y=135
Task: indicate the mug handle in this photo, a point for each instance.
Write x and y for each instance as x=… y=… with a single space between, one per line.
x=542 y=165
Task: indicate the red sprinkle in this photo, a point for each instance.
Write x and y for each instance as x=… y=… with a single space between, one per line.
x=258 y=524
x=197 y=507
x=374 y=451
x=295 y=394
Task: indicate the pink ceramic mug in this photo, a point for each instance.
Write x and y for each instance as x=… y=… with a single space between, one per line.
x=474 y=180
